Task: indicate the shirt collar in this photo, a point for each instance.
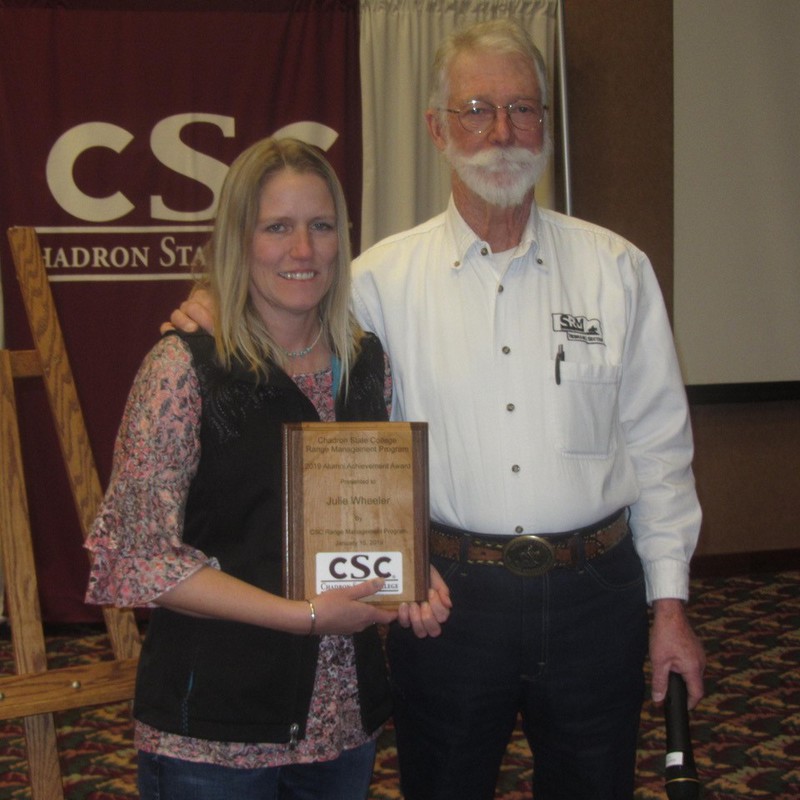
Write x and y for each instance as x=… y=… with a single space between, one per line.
x=463 y=238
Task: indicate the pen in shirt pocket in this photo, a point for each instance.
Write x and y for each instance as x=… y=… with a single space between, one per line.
x=559 y=358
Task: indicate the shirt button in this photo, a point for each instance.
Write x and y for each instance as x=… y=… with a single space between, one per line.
x=515 y=468
x=519 y=529
x=484 y=251
x=540 y=261
x=510 y=407
x=501 y=289
x=506 y=349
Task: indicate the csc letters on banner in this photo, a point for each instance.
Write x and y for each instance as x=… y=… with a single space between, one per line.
x=168 y=148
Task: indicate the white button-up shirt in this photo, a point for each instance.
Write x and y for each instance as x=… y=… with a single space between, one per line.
x=548 y=379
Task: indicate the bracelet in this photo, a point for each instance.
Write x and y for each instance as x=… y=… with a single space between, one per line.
x=313 y=617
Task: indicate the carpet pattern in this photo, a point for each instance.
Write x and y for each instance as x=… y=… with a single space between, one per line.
x=746 y=731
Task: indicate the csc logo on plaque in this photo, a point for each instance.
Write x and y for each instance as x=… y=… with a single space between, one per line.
x=341 y=569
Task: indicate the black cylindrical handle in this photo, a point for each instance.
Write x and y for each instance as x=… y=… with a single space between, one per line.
x=680 y=776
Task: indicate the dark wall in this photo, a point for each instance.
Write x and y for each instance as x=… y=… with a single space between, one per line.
x=619 y=82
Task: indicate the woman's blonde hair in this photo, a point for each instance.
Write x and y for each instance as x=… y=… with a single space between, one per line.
x=239 y=331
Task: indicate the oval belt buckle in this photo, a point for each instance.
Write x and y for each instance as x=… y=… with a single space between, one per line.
x=529 y=555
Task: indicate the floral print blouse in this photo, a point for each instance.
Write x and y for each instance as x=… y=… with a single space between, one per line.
x=138 y=552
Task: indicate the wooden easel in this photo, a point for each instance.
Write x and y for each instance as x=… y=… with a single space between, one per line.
x=35 y=692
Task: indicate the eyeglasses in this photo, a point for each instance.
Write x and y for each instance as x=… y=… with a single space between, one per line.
x=478 y=116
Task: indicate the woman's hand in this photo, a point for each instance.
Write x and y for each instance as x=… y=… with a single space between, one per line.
x=213 y=594
x=340 y=611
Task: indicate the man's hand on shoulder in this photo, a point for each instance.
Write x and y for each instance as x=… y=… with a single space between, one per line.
x=194 y=313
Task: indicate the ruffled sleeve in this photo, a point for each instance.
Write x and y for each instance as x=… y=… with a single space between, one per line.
x=136 y=540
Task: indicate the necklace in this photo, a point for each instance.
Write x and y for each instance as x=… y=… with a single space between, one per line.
x=306 y=350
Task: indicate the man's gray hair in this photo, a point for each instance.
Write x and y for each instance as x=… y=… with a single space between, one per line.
x=504 y=36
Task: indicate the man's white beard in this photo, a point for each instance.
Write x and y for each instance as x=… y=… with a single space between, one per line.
x=502 y=176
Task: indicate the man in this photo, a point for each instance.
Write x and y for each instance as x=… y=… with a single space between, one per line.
x=538 y=349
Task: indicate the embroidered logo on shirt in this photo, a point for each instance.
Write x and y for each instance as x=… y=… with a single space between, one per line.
x=579 y=329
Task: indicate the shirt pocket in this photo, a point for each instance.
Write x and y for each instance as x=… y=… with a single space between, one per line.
x=584 y=411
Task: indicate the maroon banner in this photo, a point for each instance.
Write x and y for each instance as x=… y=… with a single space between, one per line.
x=116 y=132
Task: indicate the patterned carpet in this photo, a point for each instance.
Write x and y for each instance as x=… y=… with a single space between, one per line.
x=746 y=731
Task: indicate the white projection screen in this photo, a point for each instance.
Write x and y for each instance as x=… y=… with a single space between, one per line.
x=737 y=190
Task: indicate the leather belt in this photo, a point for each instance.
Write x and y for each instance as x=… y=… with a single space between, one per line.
x=530 y=555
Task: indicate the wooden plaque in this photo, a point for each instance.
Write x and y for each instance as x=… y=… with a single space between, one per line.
x=356 y=507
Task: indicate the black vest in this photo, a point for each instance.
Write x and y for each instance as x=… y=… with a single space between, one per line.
x=233 y=682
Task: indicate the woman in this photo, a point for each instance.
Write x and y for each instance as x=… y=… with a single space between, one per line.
x=241 y=692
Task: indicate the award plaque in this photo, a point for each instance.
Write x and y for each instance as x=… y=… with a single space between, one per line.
x=356 y=507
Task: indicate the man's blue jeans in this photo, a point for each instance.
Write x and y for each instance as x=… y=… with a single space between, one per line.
x=565 y=650
x=345 y=778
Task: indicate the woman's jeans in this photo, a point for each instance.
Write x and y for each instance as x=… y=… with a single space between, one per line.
x=564 y=650
x=345 y=778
